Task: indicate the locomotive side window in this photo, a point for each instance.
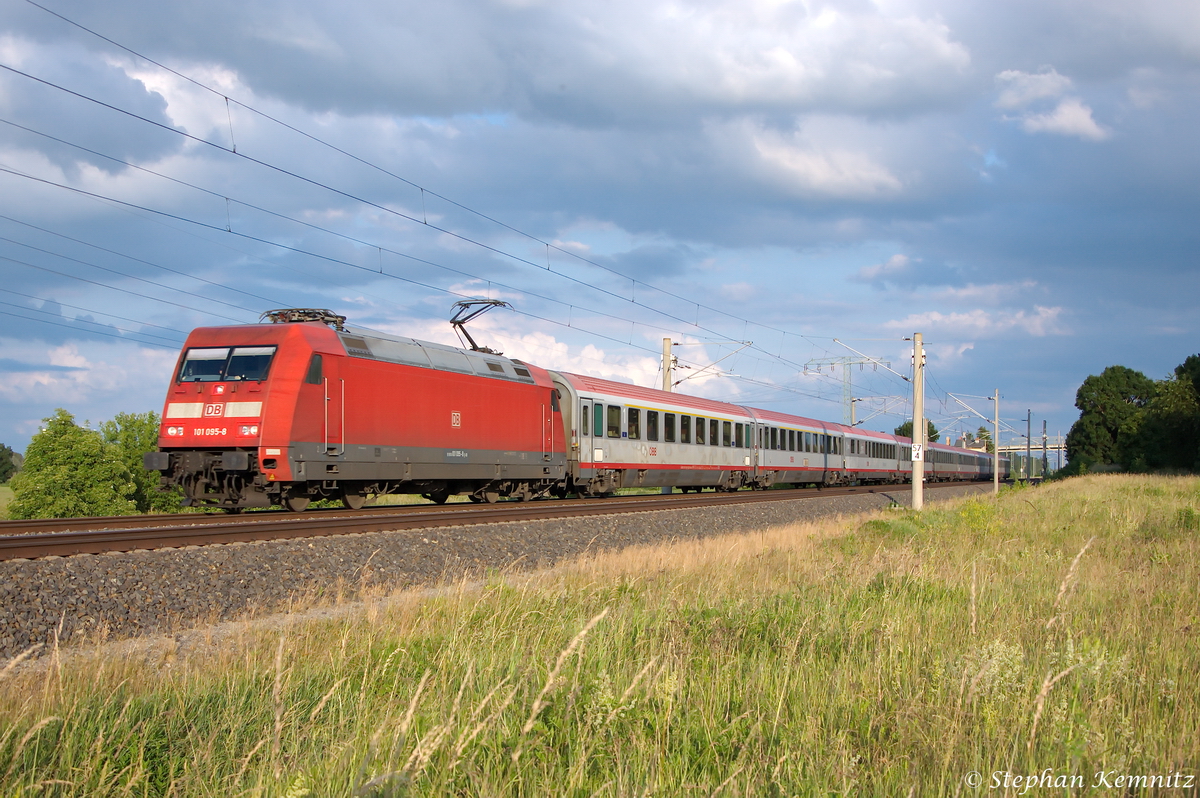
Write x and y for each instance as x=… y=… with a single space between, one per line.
x=651 y=425
x=669 y=427
x=699 y=430
x=614 y=421
x=635 y=425
x=598 y=415
x=712 y=431
x=685 y=429
x=314 y=370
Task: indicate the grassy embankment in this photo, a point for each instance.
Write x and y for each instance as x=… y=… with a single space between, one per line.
x=6 y=495
x=1055 y=628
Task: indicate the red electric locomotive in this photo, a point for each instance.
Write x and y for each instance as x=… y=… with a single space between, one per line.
x=306 y=408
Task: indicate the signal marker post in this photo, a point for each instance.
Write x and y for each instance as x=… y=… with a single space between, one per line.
x=668 y=380
x=996 y=448
x=918 y=438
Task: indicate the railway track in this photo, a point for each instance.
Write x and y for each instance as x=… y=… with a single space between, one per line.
x=66 y=537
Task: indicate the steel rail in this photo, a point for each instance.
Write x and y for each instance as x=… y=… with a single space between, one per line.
x=255 y=527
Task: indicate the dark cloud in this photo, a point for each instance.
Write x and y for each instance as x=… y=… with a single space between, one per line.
x=1033 y=167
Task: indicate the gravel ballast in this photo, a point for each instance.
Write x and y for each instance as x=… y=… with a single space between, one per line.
x=122 y=595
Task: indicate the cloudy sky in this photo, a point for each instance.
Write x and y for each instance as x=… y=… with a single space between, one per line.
x=1016 y=181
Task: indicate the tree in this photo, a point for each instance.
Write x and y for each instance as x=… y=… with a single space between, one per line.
x=132 y=435
x=1111 y=409
x=1190 y=370
x=905 y=430
x=71 y=472
x=8 y=463
x=984 y=436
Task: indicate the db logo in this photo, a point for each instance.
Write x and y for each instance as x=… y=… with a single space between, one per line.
x=455 y=419
x=214 y=410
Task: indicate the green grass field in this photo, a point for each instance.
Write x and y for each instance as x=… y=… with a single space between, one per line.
x=1051 y=630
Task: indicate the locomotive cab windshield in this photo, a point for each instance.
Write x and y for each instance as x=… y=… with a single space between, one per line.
x=226 y=364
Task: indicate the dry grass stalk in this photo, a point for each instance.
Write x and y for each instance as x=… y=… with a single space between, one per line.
x=29 y=735
x=324 y=699
x=629 y=690
x=1047 y=685
x=470 y=732
x=17 y=660
x=539 y=703
x=277 y=697
x=973 y=615
x=725 y=783
x=412 y=705
x=1067 y=581
x=246 y=762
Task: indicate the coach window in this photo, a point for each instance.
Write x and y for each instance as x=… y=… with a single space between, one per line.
x=598 y=418
x=314 y=370
x=737 y=436
x=713 y=425
x=651 y=425
x=614 y=421
x=669 y=427
x=774 y=438
x=635 y=424
x=685 y=429
x=791 y=440
x=699 y=430
x=586 y=418
x=727 y=433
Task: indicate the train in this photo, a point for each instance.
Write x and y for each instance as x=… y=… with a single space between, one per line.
x=302 y=407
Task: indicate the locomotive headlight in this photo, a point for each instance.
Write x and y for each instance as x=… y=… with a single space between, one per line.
x=174 y=432
x=248 y=429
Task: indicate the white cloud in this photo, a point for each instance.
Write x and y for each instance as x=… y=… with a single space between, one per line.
x=893 y=265
x=992 y=293
x=808 y=163
x=1071 y=118
x=739 y=292
x=979 y=323
x=1022 y=88
x=1070 y=115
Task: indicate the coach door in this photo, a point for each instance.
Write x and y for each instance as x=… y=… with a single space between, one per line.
x=586 y=409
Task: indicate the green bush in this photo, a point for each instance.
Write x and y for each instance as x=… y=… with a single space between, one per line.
x=70 y=472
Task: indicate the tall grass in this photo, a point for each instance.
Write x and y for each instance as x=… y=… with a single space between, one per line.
x=890 y=654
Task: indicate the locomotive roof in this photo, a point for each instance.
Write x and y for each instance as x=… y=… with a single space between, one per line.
x=375 y=345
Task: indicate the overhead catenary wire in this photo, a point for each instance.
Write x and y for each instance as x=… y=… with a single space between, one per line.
x=327 y=258
x=424 y=221
x=228 y=228
x=423 y=190
x=218 y=228
x=777 y=357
